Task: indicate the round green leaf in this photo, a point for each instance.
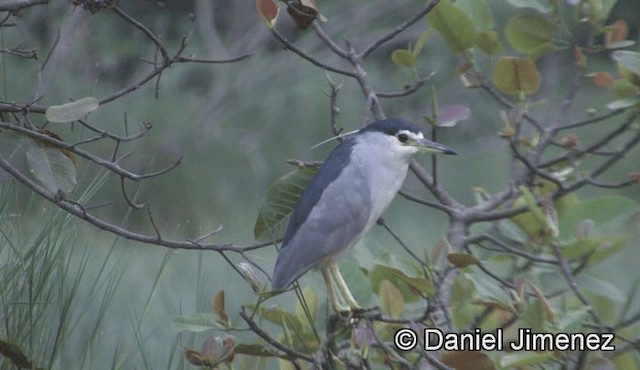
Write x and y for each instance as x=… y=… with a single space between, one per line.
x=530 y=34
x=514 y=75
x=72 y=111
x=454 y=25
x=403 y=58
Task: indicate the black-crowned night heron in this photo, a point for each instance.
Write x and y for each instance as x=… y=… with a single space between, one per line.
x=345 y=199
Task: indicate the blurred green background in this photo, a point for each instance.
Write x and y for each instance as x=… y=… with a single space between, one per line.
x=234 y=125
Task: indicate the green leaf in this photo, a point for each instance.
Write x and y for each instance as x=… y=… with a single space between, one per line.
x=311 y=299
x=404 y=274
x=72 y=111
x=599 y=9
x=253 y=349
x=623 y=88
x=51 y=168
x=489 y=291
x=601 y=287
x=531 y=35
x=479 y=11
x=391 y=298
x=279 y=203
x=531 y=203
x=628 y=59
x=466 y=360
x=422 y=40
x=624 y=103
x=534 y=316
x=489 y=42
x=542 y=6
x=573 y=321
x=462 y=260
x=280 y=317
x=454 y=25
x=513 y=360
x=198 y=322
x=515 y=75
x=403 y=58
x=609 y=213
x=598 y=247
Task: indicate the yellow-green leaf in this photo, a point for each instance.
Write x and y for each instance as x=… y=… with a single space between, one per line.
x=530 y=34
x=489 y=42
x=454 y=25
x=479 y=11
x=72 y=111
x=422 y=40
x=391 y=299
x=404 y=274
x=403 y=58
x=467 y=360
x=311 y=300
x=522 y=359
x=624 y=89
x=515 y=75
x=461 y=260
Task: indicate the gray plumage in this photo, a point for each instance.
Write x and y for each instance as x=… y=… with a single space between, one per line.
x=346 y=197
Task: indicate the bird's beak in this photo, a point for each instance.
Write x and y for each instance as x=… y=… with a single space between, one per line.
x=426 y=145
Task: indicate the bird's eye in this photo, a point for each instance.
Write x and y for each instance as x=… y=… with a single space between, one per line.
x=403 y=138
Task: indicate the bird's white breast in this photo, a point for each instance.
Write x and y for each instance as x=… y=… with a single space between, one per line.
x=386 y=167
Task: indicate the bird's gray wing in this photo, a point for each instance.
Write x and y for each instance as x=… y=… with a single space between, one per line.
x=329 y=218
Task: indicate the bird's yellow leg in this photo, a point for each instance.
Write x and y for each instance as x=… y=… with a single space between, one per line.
x=337 y=307
x=342 y=287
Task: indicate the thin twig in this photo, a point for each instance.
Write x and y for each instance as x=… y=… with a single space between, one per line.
x=396 y=31
x=287 y=44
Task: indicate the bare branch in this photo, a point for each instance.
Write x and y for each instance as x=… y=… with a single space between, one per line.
x=408 y=90
x=566 y=272
x=396 y=31
x=308 y=57
x=76 y=209
x=15 y=5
